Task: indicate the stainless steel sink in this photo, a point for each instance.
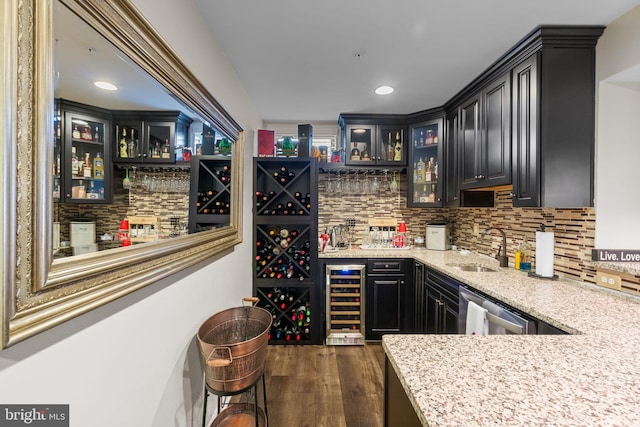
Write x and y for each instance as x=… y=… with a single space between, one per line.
x=474 y=267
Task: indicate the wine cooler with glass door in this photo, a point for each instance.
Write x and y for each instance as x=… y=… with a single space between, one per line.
x=345 y=304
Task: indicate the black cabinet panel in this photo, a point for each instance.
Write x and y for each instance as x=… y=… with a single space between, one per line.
x=384 y=299
x=525 y=134
x=441 y=304
x=485 y=139
x=496 y=154
x=387 y=298
x=470 y=141
x=452 y=161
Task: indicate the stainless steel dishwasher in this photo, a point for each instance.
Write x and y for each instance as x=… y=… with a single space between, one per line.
x=502 y=320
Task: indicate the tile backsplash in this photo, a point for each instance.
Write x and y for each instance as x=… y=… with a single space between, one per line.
x=574 y=229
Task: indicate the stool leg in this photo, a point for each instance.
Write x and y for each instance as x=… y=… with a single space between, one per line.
x=264 y=395
x=255 y=402
x=204 y=406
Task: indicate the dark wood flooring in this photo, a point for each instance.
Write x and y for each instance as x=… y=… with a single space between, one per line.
x=325 y=386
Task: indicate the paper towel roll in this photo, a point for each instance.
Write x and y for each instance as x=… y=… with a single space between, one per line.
x=544 y=253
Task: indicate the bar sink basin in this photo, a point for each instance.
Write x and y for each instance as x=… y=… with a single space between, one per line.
x=474 y=267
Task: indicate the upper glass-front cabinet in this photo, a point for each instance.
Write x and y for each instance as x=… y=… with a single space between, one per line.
x=374 y=140
x=426 y=177
x=150 y=137
x=85 y=144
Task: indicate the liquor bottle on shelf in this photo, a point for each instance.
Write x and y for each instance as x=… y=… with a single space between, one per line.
x=123 y=145
x=390 y=149
x=420 y=170
x=86 y=134
x=288 y=147
x=224 y=147
x=98 y=166
x=96 y=135
x=86 y=168
x=75 y=134
x=397 y=157
x=166 y=153
x=131 y=146
x=75 y=163
x=92 y=192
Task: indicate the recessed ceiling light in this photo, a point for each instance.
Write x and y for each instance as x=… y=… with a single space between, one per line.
x=384 y=90
x=105 y=85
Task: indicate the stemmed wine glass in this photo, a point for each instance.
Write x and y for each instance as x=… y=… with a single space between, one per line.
x=338 y=186
x=329 y=186
x=366 y=184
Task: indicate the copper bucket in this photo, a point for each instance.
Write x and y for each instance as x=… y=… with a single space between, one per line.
x=233 y=347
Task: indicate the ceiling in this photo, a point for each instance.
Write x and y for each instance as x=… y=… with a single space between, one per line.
x=82 y=56
x=303 y=60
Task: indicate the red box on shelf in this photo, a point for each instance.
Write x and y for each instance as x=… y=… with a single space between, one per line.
x=266 y=143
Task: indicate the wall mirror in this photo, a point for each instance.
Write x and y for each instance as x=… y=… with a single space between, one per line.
x=39 y=291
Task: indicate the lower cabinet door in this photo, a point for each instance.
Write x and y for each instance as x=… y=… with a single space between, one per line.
x=449 y=318
x=383 y=307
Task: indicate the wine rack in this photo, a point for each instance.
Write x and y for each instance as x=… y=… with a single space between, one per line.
x=210 y=194
x=285 y=236
x=345 y=305
x=291 y=311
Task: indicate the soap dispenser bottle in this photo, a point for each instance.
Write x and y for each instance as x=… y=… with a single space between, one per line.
x=525 y=253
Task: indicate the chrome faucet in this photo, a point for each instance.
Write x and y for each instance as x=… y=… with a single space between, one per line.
x=502 y=259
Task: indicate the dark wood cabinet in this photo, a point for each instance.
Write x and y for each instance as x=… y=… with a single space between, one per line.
x=425 y=174
x=531 y=115
x=496 y=157
x=441 y=309
x=386 y=298
x=419 y=297
x=398 y=409
x=485 y=140
x=85 y=154
x=149 y=137
x=374 y=139
x=553 y=128
x=452 y=161
x=469 y=141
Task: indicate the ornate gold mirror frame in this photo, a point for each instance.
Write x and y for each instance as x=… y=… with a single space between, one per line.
x=38 y=293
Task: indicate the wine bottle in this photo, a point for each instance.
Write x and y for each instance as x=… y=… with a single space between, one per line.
x=391 y=152
x=123 y=145
x=398 y=149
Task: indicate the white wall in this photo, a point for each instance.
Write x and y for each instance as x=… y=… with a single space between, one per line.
x=617 y=141
x=134 y=362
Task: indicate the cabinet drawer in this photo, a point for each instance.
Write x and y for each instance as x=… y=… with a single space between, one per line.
x=385 y=266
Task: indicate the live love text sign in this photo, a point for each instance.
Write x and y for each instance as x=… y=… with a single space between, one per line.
x=616 y=255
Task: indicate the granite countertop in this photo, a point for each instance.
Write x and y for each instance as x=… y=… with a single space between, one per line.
x=587 y=378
